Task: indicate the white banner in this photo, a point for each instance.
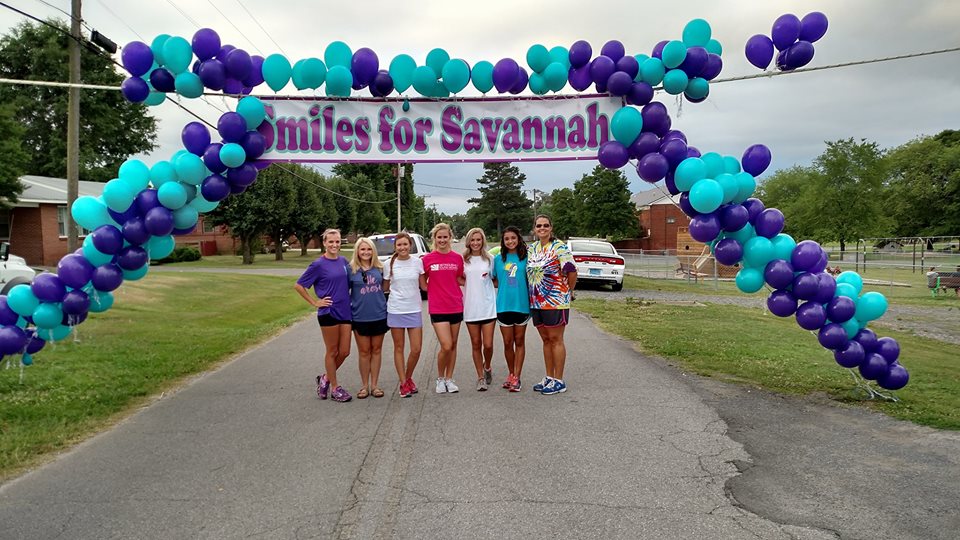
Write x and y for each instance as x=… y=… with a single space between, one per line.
x=494 y=129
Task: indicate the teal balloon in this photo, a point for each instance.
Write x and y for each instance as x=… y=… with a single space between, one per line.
x=743 y=235
x=673 y=54
x=689 y=172
x=731 y=165
x=276 y=71
x=424 y=80
x=561 y=55
x=713 y=46
x=436 y=59
x=848 y=290
x=339 y=81
x=94 y=255
x=155 y=98
x=135 y=173
x=172 y=195
x=185 y=217
x=852 y=278
x=339 y=54
x=177 y=54
x=697 y=88
x=22 y=300
x=641 y=58
x=851 y=327
x=190 y=169
x=161 y=173
x=297 y=75
x=652 y=71
x=401 y=71
x=757 y=252
x=232 y=155
x=746 y=185
x=134 y=275
x=675 y=82
x=697 y=33
x=749 y=280
x=58 y=333
x=118 y=195
x=47 y=315
x=538 y=58
x=202 y=205
x=871 y=306
x=439 y=90
x=456 y=75
x=90 y=212
x=406 y=105
x=483 y=76
x=706 y=196
x=783 y=245
x=188 y=85
x=556 y=76
x=160 y=246
x=253 y=111
x=100 y=301
x=626 y=125
x=538 y=85
x=729 y=184
x=314 y=73
x=714 y=162
x=26 y=359
x=156 y=46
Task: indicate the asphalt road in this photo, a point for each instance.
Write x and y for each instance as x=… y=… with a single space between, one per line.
x=635 y=449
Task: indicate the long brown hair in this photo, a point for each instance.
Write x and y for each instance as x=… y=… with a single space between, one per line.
x=521 y=245
x=400 y=235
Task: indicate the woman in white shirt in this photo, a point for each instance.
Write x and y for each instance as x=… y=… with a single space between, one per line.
x=479 y=304
x=404 y=306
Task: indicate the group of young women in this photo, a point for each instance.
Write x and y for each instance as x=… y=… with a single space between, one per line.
x=518 y=284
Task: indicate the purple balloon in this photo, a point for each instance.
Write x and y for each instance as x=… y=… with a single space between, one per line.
x=695 y=62
x=34 y=342
x=238 y=64
x=158 y=221
x=7 y=315
x=619 y=84
x=601 y=69
x=613 y=155
x=805 y=286
x=121 y=217
x=162 y=80
x=232 y=127
x=778 y=274
x=236 y=190
x=671 y=183
x=832 y=336
x=135 y=232
x=813 y=26
x=107 y=277
x=841 y=309
x=733 y=217
x=580 y=53
x=686 y=206
x=798 y=55
x=243 y=175
x=137 y=58
x=132 y=258
x=769 y=223
x=505 y=74
x=646 y=143
x=253 y=144
x=629 y=65
x=640 y=93
x=754 y=206
x=805 y=255
x=759 y=51
x=74 y=270
x=521 y=82
x=713 y=67
x=76 y=302
x=782 y=303
x=613 y=50
x=658 y=49
x=195 y=68
x=873 y=367
x=224 y=51
x=211 y=158
x=181 y=232
x=895 y=378
x=383 y=83
x=205 y=43
x=888 y=348
x=821 y=263
x=705 y=227
x=781 y=61
x=107 y=239
x=850 y=355
x=729 y=252
x=653 y=167
x=756 y=159
x=786 y=30
x=146 y=200
x=674 y=134
x=811 y=316
x=12 y=340
x=135 y=89
x=255 y=78
x=692 y=151
x=195 y=137
x=213 y=74
x=868 y=339
x=828 y=287
x=215 y=188
x=656 y=119
x=580 y=78
x=364 y=66
x=48 y=287
x=675 y=150
x=232 y=86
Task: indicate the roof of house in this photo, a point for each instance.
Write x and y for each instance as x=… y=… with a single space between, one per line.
x=650 y=197
x=45 y=190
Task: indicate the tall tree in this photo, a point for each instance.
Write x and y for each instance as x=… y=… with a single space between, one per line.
x=113 y=128
x=502 y=201
x=13 y=159
x=307 y=213
x=371 y=217
x=563 y=208
x=383 y=176
x=345 y=206
x=924 y=186
x=604 y=206
x=792 y=192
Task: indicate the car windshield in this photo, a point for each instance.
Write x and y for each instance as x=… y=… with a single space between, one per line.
x=592 y=247
x=384 y=245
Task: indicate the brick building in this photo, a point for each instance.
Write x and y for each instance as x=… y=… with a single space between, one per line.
x=661 y=220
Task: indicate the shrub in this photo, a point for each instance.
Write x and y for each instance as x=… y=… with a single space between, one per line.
x=182 y=254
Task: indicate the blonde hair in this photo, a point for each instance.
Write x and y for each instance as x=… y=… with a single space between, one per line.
x=400 y=236
x=467 y=253
x=374 y=260
x=323 y=237
x=437 y=228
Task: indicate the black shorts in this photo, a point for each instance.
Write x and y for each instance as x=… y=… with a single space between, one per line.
x=329 y=320
x=370 y=328
x=481 y=323
x=550 y=318
x=513 y=318
x=452 y=318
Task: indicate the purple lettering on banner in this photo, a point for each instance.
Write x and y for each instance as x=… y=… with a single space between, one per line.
x=511 y=135
x=599 y=126
x=424 y=127
x=403 y=135
x=383 y=126
x=316 y=137
x=532 y=133
x=344 y=135
x=328 y=129
x=292 y=134
x=555 y=129
x=267 y=129
x=491 y=129
x=362 y=133
x=473 y=141
x=450 y=120
x=578 y=133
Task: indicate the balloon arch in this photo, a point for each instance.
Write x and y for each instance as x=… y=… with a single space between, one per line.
x=144 y=208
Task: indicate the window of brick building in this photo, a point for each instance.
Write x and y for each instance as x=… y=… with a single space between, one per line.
x=208 y=226
x=62 y=223
x=671 y=220
x=5 y=224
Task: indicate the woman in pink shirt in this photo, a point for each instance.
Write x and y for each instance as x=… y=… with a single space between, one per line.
x=442 y=277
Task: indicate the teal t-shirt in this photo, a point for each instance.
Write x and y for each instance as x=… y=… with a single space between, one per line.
x=512 y=293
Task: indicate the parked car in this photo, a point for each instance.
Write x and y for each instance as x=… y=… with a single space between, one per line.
x=385 y=247
x=13 y=270
x=597 y=261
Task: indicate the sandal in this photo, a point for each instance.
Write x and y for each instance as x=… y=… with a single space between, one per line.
x=377 y=392
x=363 y=393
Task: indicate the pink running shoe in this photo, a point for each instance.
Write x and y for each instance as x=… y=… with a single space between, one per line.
x=412 y=386
x=323 y=386
x=509 y=382
x=405 y=390
x=341 y=395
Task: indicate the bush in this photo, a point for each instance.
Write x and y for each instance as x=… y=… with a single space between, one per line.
x=182 y=254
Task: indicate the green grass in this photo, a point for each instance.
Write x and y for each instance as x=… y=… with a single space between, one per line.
x=160 y=331
x=291 y=259
x=745 y=346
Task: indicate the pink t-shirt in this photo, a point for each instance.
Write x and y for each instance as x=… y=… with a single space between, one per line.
x=443 y=290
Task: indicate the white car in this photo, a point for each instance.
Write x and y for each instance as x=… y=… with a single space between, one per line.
x=597 y=261
x=384 y=244
x=13 y=270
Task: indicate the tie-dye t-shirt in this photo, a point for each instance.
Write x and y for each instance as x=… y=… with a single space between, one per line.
x=547 y=267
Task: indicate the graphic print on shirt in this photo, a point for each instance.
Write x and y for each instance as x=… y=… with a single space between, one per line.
x=511 y=269
x=546 y=266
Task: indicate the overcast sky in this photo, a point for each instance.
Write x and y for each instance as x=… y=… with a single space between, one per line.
x=890 y=102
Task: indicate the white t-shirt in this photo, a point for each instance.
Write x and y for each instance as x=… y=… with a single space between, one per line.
x=404 y=286
x=479 y=296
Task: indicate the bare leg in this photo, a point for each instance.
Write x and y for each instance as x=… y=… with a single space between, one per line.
x=398 y=343
x=363 y=351
x=487 y=332
x=475 y=347
x=547 y=350
x=559 y=350
x=446 y=347
x=519 y=348
x=508 y=332
x=376 y=358
x=331 y=357
x=416 y=344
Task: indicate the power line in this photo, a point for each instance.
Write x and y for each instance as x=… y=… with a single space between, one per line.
x=122 y=21
x=81 y=21
x=262 y=28
x=185 y=16
x=234 y=26
x=337 y=193
x=445 y=187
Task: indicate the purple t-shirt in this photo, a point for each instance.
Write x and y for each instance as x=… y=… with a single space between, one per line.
x=329 y=277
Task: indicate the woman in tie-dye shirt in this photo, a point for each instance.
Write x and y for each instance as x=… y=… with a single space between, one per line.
x=551 y=276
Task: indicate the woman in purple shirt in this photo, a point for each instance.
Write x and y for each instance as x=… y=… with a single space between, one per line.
x=329 y=277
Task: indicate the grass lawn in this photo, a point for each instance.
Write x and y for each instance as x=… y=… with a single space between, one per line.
x=745 y=346
x=291 y=259
x=160 y=330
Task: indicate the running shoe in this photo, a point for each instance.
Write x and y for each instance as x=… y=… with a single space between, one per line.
x=323 y=386
x=405 y=390
x=482 y=384
x=412 y=386
x=341 y=395
x=509 y=382
x=555 y=386
x=441 y=386
x=516 y=384
x=540 y=385
x=488 y=376
x=452 y=386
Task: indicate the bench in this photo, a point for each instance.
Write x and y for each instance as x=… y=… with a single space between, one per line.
x=690 y=270
x=941 y=281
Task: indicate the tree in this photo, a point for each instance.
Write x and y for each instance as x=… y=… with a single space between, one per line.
x=383 y=181
x=563 y=207
x=371 y=217
x=308 y=212
x=346 y=208
x=792 y=192
x=113 y=129
x=924 y=186
x=502 y=201
x=13 y=159
x=604 y=207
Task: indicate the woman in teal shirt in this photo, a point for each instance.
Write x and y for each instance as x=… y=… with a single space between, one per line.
x=513 y=302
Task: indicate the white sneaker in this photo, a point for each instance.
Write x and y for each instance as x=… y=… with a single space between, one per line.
x=452 y=386
x=441 y=386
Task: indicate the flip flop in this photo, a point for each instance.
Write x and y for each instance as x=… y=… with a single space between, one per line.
x=363 y=393
x=377 y=392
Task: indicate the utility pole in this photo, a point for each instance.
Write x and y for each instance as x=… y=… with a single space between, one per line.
x=535 y=201
x=401 y=168
x=423 y=216
x=73 y=125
